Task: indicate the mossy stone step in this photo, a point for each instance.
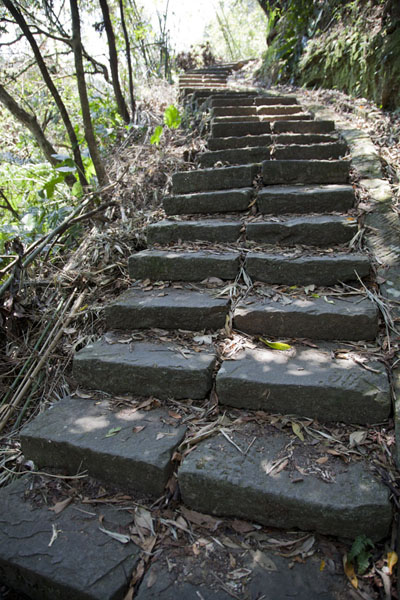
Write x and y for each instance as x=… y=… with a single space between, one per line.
x=301 y=199
x=204 y=180
x=320 y=270
x=183 y=266
x=145 y=369
x=75 y=435
x=313 y=231
x=234 y=156
x=305 y=171
x=219 y=479
x=354 y=318
x=245 y=141
x=83 y=563
x=271 y=109
x=307 y=382
x=254 y=101
x=167 y=309
x=310 y=151
x=230 y=200
x=209 y=230
x=220 y=130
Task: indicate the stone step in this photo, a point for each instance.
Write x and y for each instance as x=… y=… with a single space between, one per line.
x=204 y=180
x=271 y=109
x=304 y=138
x=304 y=126
x=234 y=156
x=220 y=130
x=230 y=200
x=254 y=101
x=174 y=309
x=305 y=171
x=285 y=199
x=299 y=116
x=183 y=266
x=354 y=318
x=83 y=562
x=307 y=382
x=245 y=141
x=209 y=230
x=145 y=369
x=75 y=435
x=313 y=231
x=321 y=270
x=310 y=151
x=219 y=479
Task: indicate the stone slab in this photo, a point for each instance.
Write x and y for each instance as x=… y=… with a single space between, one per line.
x=184 y=576
x=72 y=436
x=209 y=202
x=305 y=138
x=310 y=151
x=216 y=478
x=183 y=266
x=174 y=309
x=304 y=127
x=304 y=270
x=234 y=156
x=355 y=318
x=219 y=130
x=209 y=230
x=145 y=369
x=305 y=171
x=204 y=180
x=255 y=100
x=304 y=199
x=274 y=109
x=307 y=382
x=299 y=116
x=246 y=141
x=313 y=231
x=83 y=563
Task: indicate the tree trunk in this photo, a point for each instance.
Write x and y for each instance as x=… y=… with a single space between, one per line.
x=19 y=18
x=122 y=108
x=128 y=58
x=31 y=123
x=83 y=97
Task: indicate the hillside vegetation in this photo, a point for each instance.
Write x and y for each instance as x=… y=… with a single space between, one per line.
x=352 y=46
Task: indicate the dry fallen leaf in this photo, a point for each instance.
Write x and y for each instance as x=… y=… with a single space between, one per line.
x=242 y=526
x=357 y=437
x=59 y=506
x=263 y=560
x=392 y=560
x=297 y=431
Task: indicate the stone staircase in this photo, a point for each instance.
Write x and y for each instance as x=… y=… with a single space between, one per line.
x=265 y=210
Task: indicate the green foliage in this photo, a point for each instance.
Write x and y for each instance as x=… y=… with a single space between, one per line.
x=172 y=117
x=172 y=120
x=360 y=553
x=38 y=194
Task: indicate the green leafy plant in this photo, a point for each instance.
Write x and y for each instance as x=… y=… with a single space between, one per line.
x=360 y=553
x=172 y=120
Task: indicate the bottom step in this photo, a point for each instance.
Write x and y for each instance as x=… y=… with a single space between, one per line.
x=247 y=481
x=65 y=556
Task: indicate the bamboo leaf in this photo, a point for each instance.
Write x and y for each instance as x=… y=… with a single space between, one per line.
x=275 y=345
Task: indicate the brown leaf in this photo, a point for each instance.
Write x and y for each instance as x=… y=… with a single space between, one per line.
x=138 y=428
x=242 y=526
x=200 y=519
x=174 y=415
x=59 y=506
x=322 y=460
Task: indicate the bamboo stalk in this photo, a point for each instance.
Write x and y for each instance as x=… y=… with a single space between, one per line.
x=16 y=401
